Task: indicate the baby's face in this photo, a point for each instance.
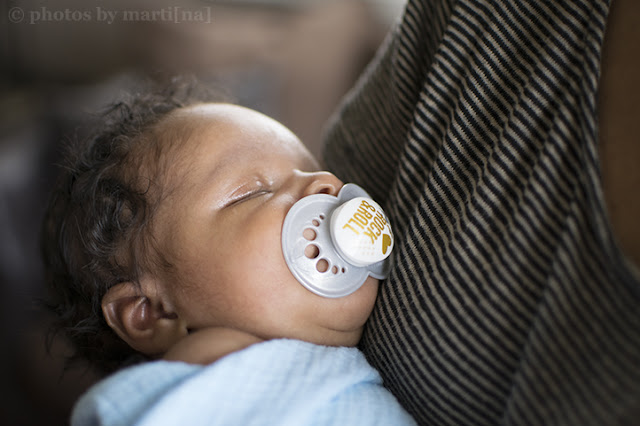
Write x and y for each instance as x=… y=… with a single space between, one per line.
x=238 y=173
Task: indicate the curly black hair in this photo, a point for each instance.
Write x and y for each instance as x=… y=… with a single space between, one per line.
x=95 y=232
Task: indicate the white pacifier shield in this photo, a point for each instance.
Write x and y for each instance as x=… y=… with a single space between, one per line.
x=336 y=267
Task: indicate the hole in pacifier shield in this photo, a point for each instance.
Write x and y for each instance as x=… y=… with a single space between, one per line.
x=311 y=251
x=322 y=265
x=309 y=234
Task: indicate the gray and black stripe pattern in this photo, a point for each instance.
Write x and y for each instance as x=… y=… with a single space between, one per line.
x=509 y=301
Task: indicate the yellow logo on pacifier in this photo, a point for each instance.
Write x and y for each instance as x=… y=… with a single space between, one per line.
x=361 y=232
x=386 y=243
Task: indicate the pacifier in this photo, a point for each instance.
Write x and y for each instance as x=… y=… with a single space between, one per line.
x=332 y=244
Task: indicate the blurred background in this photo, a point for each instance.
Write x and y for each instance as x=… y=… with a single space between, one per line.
x=62 y=60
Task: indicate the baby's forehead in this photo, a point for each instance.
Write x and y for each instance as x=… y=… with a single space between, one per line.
x=203 y=123
x=182 y=131
x=224 y=135
x=231 y=127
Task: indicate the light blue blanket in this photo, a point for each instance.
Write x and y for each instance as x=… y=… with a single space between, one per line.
x=278 y=382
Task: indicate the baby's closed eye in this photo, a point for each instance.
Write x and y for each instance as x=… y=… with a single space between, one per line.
x=247 y=192
x=247 y=196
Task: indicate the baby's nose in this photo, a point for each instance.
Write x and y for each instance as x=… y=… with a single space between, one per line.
x=322 y=183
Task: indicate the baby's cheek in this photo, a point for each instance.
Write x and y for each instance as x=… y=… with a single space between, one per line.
x=370 y=293
x=263 y=234
x=357 y=306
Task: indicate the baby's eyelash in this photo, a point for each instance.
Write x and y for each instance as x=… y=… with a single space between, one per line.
x=247 y=196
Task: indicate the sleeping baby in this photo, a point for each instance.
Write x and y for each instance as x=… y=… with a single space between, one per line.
x=167 y=253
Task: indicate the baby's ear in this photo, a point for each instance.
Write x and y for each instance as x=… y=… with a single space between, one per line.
x=141 y=320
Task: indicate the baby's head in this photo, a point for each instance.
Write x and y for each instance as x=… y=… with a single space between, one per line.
x=169 y=221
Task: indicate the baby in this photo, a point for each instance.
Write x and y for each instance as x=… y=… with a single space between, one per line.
x=162 y=242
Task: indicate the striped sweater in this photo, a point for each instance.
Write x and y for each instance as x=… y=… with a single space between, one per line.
x=509 y=301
